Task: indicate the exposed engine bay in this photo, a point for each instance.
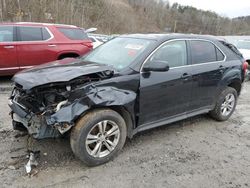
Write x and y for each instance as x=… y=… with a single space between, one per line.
x=33 y=108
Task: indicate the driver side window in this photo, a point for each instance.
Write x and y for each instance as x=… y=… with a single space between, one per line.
x=174 y=53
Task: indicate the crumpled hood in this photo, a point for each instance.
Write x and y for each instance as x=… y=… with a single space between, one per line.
x=57 y=71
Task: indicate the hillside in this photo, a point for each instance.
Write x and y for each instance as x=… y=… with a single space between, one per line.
x=123 y=16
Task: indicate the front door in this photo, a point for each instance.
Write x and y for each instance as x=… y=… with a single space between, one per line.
x=166 y=94
x=8 y=51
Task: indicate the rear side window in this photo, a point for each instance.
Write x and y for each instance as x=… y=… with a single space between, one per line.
x=30 y=33
x=33 y=34
x=6 y=33
x=202 y=52
x=74 y=33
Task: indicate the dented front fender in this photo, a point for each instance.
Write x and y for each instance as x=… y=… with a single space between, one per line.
x=93 y=97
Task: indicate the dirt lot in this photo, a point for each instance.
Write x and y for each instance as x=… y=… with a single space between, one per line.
x=198 y=152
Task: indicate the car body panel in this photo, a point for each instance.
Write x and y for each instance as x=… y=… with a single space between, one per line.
x=57 y=71
x=8 y=53
x=26 y=54
x=161 y=94
x=206 y=78
x=150 y=98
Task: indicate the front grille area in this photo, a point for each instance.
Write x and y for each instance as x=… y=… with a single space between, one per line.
x=24 y=100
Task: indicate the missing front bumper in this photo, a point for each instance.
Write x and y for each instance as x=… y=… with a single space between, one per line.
x=35 y=125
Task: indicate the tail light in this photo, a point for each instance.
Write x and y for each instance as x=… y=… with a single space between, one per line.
x=89 y=44
x=245 y=67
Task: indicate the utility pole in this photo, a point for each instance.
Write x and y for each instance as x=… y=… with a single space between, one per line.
x=175 y=25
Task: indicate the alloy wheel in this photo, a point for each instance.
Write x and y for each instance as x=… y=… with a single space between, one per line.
x=228 y=104
x=102 y=139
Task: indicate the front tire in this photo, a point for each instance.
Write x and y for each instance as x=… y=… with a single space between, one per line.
x=225 y=104
x=98 y=136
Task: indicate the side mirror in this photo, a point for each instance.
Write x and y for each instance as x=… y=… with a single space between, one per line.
x=157 y=66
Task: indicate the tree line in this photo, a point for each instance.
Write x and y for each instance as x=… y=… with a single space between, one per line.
x=124 y=16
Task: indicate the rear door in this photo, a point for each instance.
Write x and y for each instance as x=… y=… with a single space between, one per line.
x=207 y=71
x=34 y=47
x=8 y=51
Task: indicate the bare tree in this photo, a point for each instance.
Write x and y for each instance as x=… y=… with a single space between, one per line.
x=123 y=16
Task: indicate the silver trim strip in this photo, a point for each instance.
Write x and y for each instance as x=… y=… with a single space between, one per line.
x=11 y=68
x=184 y=39
x=53 y=24
x=26 y=67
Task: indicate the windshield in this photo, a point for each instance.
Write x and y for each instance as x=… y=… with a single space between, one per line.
x=243 y=45
x=119 y=52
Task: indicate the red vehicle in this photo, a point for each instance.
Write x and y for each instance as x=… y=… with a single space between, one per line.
x=23 y=45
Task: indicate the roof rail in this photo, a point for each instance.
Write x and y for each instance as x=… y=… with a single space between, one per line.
x=38 y=23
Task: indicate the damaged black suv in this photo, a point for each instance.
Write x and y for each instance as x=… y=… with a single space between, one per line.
x=130 y=84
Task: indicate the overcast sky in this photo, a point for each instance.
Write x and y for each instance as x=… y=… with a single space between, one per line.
x=230 y=8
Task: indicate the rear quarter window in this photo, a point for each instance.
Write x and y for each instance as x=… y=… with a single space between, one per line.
x=232 y=48
x=46 y=34
x=220 y=56
x=74 y=33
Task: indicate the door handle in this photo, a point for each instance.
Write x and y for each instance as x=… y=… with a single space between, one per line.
x=8 y=47
x=222 y=68
x=51 y=45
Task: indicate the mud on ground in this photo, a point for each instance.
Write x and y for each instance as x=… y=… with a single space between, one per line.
x=197 y=152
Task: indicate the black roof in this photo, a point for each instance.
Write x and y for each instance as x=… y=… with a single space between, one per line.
x=164 y=37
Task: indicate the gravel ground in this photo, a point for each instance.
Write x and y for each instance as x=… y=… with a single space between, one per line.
x=197 y=152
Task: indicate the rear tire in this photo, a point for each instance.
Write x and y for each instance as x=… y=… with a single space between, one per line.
x=98 y=136
x=225 y=105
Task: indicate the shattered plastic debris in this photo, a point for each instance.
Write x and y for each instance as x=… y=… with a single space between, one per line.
x=11 y=167
x=32 y=161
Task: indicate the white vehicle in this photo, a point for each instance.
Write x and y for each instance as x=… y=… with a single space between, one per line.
x=244 y=48
x=243 y=45
x=96 y=41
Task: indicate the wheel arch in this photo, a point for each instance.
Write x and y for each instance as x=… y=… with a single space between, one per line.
x=68 y=54
x=127 y=118
x=122 y=111
x=236 y=84
x=232 y=78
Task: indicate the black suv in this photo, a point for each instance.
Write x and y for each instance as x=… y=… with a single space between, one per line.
x=129 y=84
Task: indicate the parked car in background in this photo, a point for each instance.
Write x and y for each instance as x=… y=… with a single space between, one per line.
x=101 y=37
x=243 y=45
x=96 y=41
x=244 y=48
x=23 y=44
x=130 y=84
